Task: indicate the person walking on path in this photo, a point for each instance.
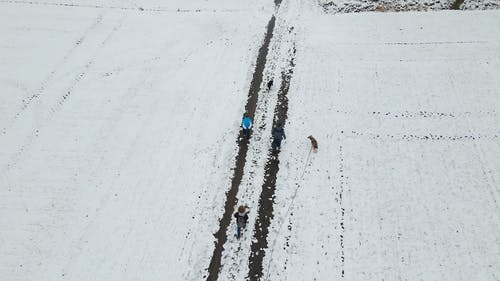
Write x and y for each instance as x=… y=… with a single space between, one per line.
x=246 y=124
x=241 y=219
x=278 y=135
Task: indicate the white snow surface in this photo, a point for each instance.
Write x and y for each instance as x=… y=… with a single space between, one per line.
x=405 y=183
x=119 y=121
x=118 y=137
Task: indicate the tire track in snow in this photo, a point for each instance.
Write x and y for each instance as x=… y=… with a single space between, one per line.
x=289 y=215
x=236 y=257
x=86 y=67
x=30 y=139
x=231 y=200
x=236 y=254
x=47 y=81
x=266 y=201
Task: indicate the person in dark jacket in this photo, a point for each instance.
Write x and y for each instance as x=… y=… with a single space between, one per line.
x=241 y=219
x=269 y=84
x=278 y=135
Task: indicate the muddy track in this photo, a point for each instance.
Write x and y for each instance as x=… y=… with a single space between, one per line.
x=231 y=200
x=456 y=5
x=266 y=201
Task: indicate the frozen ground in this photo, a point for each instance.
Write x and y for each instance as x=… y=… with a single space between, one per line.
x=405 y=183
x=118 y=137
x=349 y=6
x=119 y=121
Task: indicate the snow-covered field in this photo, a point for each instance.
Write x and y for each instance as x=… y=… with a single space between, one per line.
x=405 y=185
x=349 y=6
x=117 y=141
x=119 y=121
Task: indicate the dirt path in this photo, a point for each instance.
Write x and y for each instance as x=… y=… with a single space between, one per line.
x=266 y=201
x=231 y=200
x=456 y=5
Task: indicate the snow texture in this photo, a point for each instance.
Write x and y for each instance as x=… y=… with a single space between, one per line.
x=119 y=121
x=405 y=183
x=117 y=137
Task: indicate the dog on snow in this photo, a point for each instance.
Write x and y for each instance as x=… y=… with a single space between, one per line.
x=314 y=143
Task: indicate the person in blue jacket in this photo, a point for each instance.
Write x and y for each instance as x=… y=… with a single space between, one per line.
x=246 y=124
x=278 y=135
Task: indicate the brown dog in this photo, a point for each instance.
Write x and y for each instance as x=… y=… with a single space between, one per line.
x=314 y=143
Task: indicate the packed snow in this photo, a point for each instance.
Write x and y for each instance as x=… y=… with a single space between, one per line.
x=119 y=127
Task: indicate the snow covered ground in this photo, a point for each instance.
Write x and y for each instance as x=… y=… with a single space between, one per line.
x=119 y=121
x=405 y=183
x=118 y=130
x=349 y=6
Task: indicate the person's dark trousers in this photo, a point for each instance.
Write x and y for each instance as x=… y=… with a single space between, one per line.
x=238 y=232
x=276 y=144
x=246 y=133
